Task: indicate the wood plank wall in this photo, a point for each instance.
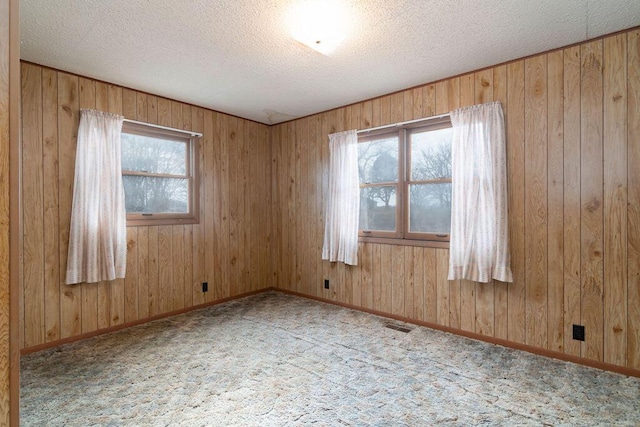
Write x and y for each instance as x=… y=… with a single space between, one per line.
x=165 y=264
x=573 y=136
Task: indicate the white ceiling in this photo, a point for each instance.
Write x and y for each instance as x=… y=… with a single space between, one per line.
x=236 y=56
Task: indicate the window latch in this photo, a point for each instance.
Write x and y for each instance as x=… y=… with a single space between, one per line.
x=442 y=235
x=366 y=231
x=147 y=214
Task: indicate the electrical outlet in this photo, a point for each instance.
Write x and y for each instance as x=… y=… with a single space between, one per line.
x=205 y=286
x=326 y=283
x=578 y=332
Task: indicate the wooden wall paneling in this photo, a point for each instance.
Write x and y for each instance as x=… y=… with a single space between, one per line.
x=633 y=206
x=319 y=147
x=398 y=282
x=199 y=262
x=216 y=201
x=117 y=290
x=52 y=276
x=376 y=275
x=155 y=289
x=454 y=94
x=615 y=199
x=285 y=198
x=385 y=110
x=366 y=115
x=325 y=129
x=409 y=281
x=429 y=100
x=104 y=288
x=177 y=268
x=131 y=277
x=252 y=234
x=165 y=268
x=243 y=193
x=442 y=97
x=297 y=244
x=143 y=272
x=188 y=288
x=276 y=205
x=515 y=111
x=386 y=277
x=591 y=198
x=501 y=289
x=308 y=195
x=430 y=285
x=571 y=194
x=177 y=232
x=166 y=285
x=130 y=111
x=536 y=220
x=292 y=199
x=68 y=119
x=32 y=207
x=89 y=291
x=485 y=292
x=153 y=300
x=365 y=253
x=396 y=107
x=467 y=296
x=354 y=287
x=417 y=299
x=235 y=186
x=555 y=200
x=178 y=246
x=442 y=286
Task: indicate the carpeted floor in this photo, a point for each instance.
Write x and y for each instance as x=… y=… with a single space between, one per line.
x=276 y=360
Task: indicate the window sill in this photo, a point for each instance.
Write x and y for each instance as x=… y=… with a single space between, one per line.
x=405 y=242
x=140 y=222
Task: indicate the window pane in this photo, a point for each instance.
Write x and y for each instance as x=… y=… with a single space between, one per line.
x=431 y=154
x=378 y=160
x=153 y=155
x=378 y=208
x=145 y=194
x=430 y=209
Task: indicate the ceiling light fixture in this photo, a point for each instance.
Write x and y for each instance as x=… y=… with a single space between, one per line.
x=320 y=24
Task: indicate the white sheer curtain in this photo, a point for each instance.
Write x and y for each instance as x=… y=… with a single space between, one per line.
x=479 y=246
x=343 y=200
x=98 y=235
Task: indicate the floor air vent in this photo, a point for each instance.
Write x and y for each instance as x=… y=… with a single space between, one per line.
x=397 y=327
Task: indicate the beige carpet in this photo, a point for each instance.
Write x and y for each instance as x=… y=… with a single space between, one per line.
x=275 y=360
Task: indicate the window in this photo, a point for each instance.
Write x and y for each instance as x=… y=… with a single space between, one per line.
x=159 y=170
x=405 y=181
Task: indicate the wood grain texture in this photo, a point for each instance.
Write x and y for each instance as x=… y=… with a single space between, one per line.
x=165 y=264
x=555 y=201
x=571 y=197
x=553 y=168
x=572 y=140
x=536 y=200
x=515 y=114
x=633 y=207
x=591 y=199
x=615 y=198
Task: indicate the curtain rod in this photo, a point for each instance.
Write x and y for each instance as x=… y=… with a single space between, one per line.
x=405 y=123
x=198 y=134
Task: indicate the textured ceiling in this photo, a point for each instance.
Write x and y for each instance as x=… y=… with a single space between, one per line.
x=236 y=56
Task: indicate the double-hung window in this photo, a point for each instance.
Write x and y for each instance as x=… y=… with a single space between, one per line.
x=405 y=181
x=159 y=170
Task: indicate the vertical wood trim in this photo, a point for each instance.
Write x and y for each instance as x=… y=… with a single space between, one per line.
x=516 y=295
x=68 y=119
x=591 y=199
x=633 y=207
x=555 y=200
x=571 y=195
x=615 y=199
